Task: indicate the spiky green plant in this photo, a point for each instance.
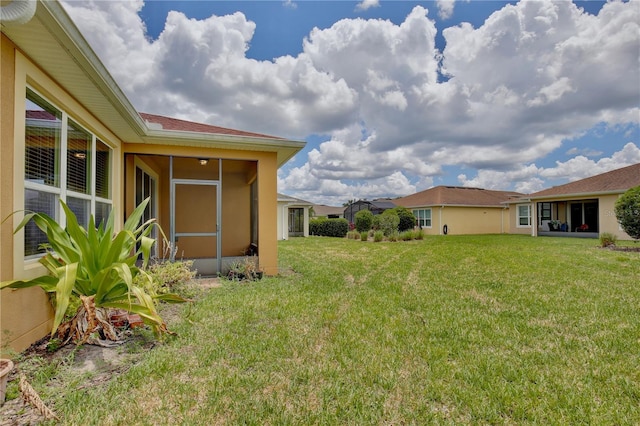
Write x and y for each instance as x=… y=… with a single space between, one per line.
x=98 y=266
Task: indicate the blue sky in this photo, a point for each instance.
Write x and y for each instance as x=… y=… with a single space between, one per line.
x=392 y=97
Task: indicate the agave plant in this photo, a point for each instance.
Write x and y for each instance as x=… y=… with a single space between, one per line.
x=98 y=266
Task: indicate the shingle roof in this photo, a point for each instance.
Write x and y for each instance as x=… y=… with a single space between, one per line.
x=457 y=196
x=613 y=181
x=292 y=200
x=322 y=210
x=175 y=124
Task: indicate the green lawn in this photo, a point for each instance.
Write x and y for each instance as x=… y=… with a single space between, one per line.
x=448 y=330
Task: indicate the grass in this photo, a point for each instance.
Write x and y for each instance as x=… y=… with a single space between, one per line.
x=447 y=330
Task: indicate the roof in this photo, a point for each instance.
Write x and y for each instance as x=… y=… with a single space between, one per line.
x=615 y=181
x=457 y=196
x=380 y=204
x=321 y=210
x=291 y=200
x=53 y=42
x=168 y=123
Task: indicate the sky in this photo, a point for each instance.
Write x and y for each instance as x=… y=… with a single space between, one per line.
x=391 y=97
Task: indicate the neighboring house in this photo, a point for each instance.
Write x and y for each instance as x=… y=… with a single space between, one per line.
x=459 y=210
x=329 y=212
x=376 y=207
x=584 y=208
x=67 y=132
x=293 y=217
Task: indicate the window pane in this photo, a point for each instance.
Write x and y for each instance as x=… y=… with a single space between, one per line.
x=42 y=141
x=81 y=209
x=42 y=202
x=102 y=213
x=78 y=158
x=103 y=170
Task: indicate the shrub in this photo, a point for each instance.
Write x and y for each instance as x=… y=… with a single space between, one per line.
x=167 y=274
x=364 y=220
x=627 y=211
x=608 y=239
x=418 y=234
x=389 y=221
x=375 y=223
x=407 y=219
x=407 y=236
x=96 y=269
x=329 y=227
x=378 y=236
x=364 y=236
x=353 y=235
x=394 y=236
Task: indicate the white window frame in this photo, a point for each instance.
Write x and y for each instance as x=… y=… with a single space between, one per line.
x=417 y=214
x=61 y=192
x=519 y=216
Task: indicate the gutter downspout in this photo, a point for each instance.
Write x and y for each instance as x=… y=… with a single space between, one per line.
x=17 y=12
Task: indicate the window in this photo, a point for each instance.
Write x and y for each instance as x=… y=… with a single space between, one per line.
x=544 y=211
x=63 y=161
x=423 y=217
x=524 y=215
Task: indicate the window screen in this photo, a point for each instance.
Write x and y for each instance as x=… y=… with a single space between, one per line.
x=37 y=201
x=78 y=158
x=42 y=141
x=103 y=170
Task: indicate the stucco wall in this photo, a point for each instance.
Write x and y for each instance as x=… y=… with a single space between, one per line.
x=468 y=220
x=513 y=222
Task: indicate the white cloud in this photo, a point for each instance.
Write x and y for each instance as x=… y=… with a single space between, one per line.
x=535 y=75
x=530 y=178
x=367 y=4
x=445 y=8
x=290 y=4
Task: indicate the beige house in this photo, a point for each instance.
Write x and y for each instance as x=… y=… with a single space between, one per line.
x=459 y=210
x=67 y=132
x=584 y=208
x=293 y=217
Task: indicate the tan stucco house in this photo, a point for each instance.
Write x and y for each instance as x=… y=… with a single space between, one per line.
x=67 y=132
x=584 y=208
x=293 y=217
x=457 y=210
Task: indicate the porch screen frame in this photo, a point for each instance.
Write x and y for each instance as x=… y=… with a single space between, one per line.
x=172 y=204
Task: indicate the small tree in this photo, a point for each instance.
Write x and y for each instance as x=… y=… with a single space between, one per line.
x=364 y=220
x=389 y=222
x=627 y=211
x=407 y=219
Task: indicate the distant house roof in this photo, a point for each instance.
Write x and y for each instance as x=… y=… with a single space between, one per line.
x=168 y=123
x=457 y=196
x=618 y=180
x=321 y=210
x=291 y=200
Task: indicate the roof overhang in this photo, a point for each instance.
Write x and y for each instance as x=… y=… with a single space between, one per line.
x=53 y=42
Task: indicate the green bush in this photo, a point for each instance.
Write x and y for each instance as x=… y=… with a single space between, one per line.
x=329 y=227
x=418 y=234
x=364 y=220
x=627 y=211
x=167 y=274
x=407 y=236
x=389 y=222
x=378 y=236
x=375 y=223
x=608 y=239
x=407 y=219
x=364 y=236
